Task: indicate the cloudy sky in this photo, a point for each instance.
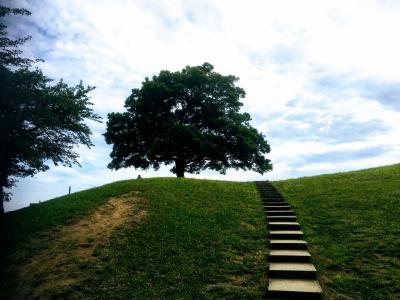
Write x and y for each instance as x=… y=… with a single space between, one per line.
x=321 y=77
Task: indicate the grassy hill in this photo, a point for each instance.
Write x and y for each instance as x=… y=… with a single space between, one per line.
x=178 y=238
x=186 y=238
x=352 y=224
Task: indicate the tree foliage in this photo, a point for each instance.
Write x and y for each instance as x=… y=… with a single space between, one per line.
x=39 y=122
x=190 y=118
x=9 y=52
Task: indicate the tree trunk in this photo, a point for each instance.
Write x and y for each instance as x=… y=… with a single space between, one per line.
x=180 y=167
x=3 y=183
x=2 y=202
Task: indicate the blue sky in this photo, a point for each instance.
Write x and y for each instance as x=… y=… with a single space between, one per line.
x=321 y=77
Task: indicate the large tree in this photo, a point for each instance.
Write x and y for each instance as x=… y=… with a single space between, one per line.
x=190 y=118
x=39 y=122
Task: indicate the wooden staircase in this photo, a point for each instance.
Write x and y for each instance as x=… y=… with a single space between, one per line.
x=291 y=273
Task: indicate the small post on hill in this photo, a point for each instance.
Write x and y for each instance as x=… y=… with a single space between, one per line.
x=69 y=190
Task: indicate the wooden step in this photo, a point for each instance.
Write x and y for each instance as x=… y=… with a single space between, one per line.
x=289 y=256
x=280 y=213
x=283 y=226
x=275 y=202
x=288 y=244
x=283 y=207
x=271 y=194
x=282 y=218
x=282 y=203
x=286 y=234
x=294 y=289
x=292 y=270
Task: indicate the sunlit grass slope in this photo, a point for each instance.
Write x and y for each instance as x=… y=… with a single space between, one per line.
x=352 y=224
x=199 y=240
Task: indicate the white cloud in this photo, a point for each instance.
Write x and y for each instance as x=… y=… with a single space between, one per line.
x=280 y=50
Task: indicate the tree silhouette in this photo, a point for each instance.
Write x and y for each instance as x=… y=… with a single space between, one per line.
x=190 y=118
x=39 y=122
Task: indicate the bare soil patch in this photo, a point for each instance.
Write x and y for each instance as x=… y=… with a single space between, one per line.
x=62 y=262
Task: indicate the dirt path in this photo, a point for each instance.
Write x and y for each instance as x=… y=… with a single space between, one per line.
x=62 y=263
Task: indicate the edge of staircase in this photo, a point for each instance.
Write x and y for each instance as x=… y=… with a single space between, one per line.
x=291 y=273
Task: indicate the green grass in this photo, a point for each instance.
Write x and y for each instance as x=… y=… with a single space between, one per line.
x=201 y=239
x=352 y=224
x=207 y=239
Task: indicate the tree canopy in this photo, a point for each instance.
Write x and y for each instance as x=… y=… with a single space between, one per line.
x=39 y=122
x=190 y=118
